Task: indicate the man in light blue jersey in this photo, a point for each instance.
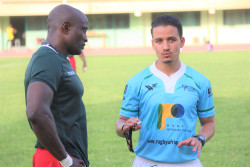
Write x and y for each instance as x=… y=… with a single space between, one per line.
x=167 y=98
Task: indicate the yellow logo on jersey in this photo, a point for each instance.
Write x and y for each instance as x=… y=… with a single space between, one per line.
x=168 y=110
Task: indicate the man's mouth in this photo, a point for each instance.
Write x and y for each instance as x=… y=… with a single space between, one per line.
x=83 y=46
x=166 y=54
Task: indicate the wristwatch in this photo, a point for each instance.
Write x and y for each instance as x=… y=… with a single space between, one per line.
x=201 y=138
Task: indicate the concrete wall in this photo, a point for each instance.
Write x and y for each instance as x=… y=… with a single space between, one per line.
x=217 y=33
x=31 y=38
x=117 y=38
x=38 y=7
x=138 y=34
x=234 y=35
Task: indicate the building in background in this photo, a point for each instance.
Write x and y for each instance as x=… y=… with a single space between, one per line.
x=126 y=23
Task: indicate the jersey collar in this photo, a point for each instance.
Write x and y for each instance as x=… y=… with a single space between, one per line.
x=49 y=46
x=169 y=81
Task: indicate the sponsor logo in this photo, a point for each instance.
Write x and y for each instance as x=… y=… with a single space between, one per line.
x=188 y=88
x=168 y=110
x=148 y=87
x=125 y=90
x=164 y=142
x=151 y=87
x=209 y=91
x=71 y=73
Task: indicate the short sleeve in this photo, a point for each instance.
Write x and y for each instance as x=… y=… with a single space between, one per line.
x=206 y=105
x=130 y=103
x=47 y=69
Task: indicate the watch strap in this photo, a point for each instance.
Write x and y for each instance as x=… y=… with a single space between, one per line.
x=201 y=138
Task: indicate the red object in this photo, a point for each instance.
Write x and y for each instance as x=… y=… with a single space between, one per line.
x=39 y=40
x=72 y=62
x=42 y=158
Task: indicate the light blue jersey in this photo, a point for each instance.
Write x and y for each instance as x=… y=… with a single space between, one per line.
x=168 y=108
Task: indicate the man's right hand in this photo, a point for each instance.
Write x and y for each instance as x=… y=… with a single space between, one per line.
x=124 y=124
x=131 y=122
x=77 y=163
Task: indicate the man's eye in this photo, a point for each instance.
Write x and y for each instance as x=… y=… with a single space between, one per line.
x=84 y=30
x=157 y=41
x=172 y=40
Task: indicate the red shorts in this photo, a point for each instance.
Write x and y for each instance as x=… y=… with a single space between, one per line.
x=42 y=158
x=72 y=62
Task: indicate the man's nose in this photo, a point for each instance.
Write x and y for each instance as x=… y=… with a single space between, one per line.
x=85 y=38
x=166 y=45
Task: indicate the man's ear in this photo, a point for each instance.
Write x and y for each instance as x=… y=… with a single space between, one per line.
x=66 y=27
x=153 y=46
x=182 y=42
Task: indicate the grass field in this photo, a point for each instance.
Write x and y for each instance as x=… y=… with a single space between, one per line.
x=104 y=82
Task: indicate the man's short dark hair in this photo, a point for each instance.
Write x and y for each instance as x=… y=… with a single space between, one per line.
x=165 y=20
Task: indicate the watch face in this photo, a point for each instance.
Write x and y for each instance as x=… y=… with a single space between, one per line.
x=202 y=137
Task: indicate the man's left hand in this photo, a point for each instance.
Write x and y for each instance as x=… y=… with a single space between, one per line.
x=192 y=141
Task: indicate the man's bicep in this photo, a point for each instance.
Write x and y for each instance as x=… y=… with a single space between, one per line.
x=204 y=121
x=39 y=96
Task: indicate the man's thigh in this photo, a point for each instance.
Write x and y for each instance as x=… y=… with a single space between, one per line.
x=42 y=158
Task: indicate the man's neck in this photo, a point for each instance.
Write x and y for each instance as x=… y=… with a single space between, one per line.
x=168 y=68
x=56 y=45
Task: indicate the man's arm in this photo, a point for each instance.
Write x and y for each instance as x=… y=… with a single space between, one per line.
x=207 y=130
x=207 y=127
x=124 y=124
x=82 y=56
x=39 y=99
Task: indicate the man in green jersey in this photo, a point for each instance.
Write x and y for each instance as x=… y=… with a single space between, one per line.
x=53 y=92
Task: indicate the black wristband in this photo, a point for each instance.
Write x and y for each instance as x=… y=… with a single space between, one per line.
x=201 y=138
x=122 y=127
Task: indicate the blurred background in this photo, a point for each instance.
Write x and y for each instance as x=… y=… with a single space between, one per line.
x=126 y=23
x=122 y=27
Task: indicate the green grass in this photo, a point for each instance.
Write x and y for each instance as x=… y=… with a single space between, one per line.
x=104 y=82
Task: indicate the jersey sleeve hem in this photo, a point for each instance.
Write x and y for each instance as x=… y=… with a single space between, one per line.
x=47 y=83
x=128 y=113
x=206 y=113
x=206 y=109
x=129 y=110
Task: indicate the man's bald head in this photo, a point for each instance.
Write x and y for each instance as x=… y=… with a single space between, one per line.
x=67 y=28
x=61 y=14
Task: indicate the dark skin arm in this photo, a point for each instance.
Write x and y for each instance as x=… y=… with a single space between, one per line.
x=128 y=123
x=82 y=56
x=207 y=130
x=39 y=99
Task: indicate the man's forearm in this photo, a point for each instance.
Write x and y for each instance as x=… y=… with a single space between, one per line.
x=45 y=130
x=208 y=130
x=119 y=126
